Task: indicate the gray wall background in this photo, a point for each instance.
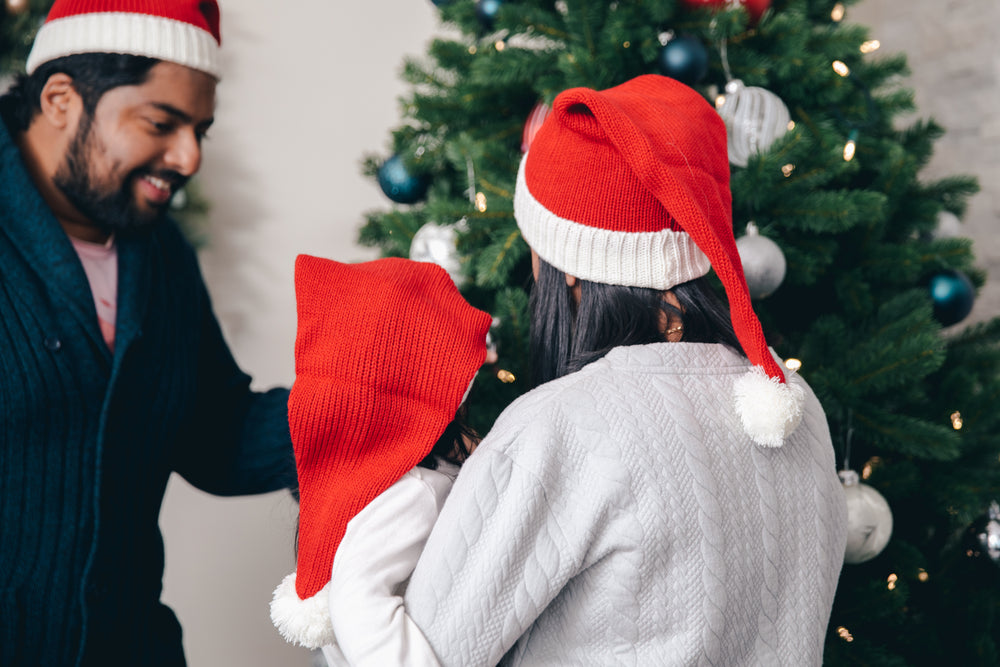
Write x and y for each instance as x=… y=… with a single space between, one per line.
x=309 y=88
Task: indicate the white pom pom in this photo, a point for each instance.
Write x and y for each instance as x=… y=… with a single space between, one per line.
x=302 y=622
x=769 y=409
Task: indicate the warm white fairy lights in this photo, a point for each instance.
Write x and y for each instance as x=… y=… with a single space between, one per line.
x=870 y=46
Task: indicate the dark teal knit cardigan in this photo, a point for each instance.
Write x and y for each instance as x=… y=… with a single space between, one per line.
x=88 y=438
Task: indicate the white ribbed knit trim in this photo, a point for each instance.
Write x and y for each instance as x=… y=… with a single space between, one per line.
x=658 y=260
x=302 y=622
x=125 y=32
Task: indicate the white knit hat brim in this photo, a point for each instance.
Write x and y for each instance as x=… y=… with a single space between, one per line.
x=129 y=33
x=657 y=260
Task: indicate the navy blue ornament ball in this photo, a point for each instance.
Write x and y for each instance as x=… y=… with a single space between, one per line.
x=399 y=184
x=486 y=11
x=684 y=58
x=953 y=294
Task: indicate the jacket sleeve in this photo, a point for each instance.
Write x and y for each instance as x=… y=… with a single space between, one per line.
x=236 y=441
x=372 y=565
x=494 y=561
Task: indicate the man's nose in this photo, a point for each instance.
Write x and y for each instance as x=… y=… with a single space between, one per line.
x=184 y=152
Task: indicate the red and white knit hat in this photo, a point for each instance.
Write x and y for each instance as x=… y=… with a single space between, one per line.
x=630 y=186
x=185 y=32
x=384 y=354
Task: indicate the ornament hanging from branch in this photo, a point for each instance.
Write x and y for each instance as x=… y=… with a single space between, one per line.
x=763 y=261
x=486 y=12
x=755 y=8
x=953 y=295
x=869 y=519
x=439 y=244
x=683 y=57
x=399 y=184
x=755 y=117
x=983 y=536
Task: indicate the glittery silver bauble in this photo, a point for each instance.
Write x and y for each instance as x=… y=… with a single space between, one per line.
x=438 y=244
x=763 y=262
x=869 y=519
x=755 y=119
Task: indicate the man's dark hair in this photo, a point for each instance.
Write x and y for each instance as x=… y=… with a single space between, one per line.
x=566 y=337
x=93 y=75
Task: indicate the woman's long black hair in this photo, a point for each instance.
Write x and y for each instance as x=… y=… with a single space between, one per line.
x=566 y=337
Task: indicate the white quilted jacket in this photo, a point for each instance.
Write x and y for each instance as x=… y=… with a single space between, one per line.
x=618 y=516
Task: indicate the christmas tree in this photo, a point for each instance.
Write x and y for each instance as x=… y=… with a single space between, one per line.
x=853 y=276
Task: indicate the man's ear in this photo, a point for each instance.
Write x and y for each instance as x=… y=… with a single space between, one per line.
x=61 y=104
x=571 y=281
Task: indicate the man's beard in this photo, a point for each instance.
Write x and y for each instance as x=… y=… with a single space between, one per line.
x=114 y=212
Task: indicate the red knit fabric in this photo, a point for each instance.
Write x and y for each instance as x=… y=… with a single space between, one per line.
x=202 y=14
x=384 y=352
x=644 y=156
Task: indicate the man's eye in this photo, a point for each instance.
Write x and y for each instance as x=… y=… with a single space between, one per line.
x=162 y=128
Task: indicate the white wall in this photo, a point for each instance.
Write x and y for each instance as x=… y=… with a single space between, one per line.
x=308 y=89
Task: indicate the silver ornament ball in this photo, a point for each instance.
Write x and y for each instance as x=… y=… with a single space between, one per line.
x=764 y=264
x=438 y=244
x=869 y=519
x=755 y=118
x=948 y=226
x=988 y=535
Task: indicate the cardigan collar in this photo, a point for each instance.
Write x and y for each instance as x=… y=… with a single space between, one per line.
x=31 y=226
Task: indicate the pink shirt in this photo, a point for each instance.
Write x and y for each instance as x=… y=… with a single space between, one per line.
x=100 y=263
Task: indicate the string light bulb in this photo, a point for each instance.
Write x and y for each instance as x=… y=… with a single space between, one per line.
x=793 y=364
x=480 y=202
x=870 y=46
x=472 y=50
x=499 y=45
x=851 y=146
x=892 y=578
x=837 y=13
x=956 y=420
x=788 y=169
x=922 y=575
x=505 y=376
x=841 y=68
x=845 y=634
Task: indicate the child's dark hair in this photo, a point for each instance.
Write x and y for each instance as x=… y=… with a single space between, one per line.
x=453 y=445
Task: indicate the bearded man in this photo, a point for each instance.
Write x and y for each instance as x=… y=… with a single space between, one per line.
x=113 y=368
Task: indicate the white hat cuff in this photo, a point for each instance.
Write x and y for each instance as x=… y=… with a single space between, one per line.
x=657 y=260
x=129 y=33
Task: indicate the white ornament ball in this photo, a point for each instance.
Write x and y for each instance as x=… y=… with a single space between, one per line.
x=764 y=264
x=755 y=118
x=869 y=519
x=438 y=244
x=948 y=226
